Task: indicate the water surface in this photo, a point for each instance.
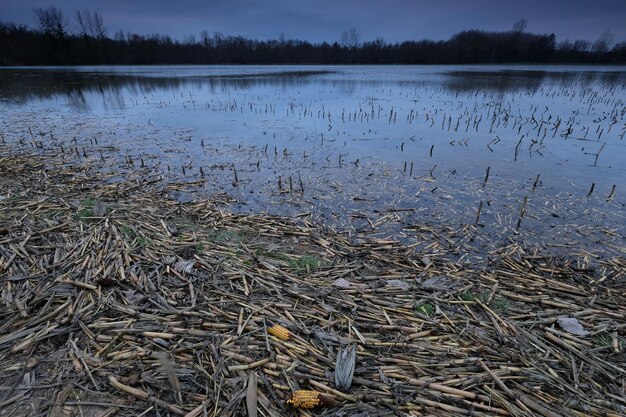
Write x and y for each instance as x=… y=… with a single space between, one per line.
x=384 y=150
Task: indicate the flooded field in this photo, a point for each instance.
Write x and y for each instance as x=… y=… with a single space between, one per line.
x=491 y=154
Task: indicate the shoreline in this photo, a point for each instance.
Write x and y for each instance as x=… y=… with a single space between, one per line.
x=116 y=299
x=466 y=214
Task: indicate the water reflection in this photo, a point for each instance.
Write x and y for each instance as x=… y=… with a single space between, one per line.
x=23 y=86
x=528 y=80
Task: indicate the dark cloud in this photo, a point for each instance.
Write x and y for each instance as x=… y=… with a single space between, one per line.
x=324 y=20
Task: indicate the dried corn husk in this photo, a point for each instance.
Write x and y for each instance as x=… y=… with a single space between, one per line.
x=344 y=367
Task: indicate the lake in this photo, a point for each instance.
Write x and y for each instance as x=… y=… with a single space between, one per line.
x=534 y=153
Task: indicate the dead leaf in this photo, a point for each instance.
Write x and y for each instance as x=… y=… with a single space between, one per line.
x=344 y=367
x=184 y=266
x=571 y=325
x=171 y=227
x=251 y=395
x=398 y=283
x=99 y=209
x=341 y=283
x=332 y=338
x=168 y=369
x=134 y=297
x=27 y=382
x=438 y=282
x=59 y=401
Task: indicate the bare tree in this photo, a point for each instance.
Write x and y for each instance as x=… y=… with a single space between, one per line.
x=344 y=38
x=189 y=39
x=90 y=24
x=519 y=27
x=206 y=38
x=350 y=38
x=119 y=36
x=52 y=22
x=580 y=45
x=354 y=37
x=218 y=38
x=603 y=44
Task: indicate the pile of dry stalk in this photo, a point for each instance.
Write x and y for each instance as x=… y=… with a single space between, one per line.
x=116 y=299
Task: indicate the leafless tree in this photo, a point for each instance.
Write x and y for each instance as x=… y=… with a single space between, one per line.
x=189 y=39
x=218 y=38
x=206 y=38
x=603 y=44
x=52 y=22
x=519 y=27
x=354 y=37
x=350 y=38
x=90 y=24
x=580 y=45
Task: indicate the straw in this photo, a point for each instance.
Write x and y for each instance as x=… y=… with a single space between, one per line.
x=160 y=307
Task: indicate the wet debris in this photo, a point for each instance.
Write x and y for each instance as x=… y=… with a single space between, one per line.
x=117 y=315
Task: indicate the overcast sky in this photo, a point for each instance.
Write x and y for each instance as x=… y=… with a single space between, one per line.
x=324 y=20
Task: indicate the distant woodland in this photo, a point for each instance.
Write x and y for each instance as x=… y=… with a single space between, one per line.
x=82 y=39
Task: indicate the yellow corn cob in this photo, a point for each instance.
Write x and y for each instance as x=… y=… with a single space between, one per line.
x=311 y=399
x=304 y=399
x=279 y=331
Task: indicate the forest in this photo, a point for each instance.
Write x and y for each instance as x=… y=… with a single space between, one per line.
x=82 y=39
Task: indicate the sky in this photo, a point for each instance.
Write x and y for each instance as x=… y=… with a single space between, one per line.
x=325 y=20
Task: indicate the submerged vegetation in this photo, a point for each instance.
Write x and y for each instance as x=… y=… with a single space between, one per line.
x=53 y=43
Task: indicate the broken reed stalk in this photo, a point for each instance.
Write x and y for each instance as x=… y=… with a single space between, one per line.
x=145 y=396
x=486 y=176
x=597 y=155
x=536 y=182
x=236 y=178
x=517 y=147
x=480 y=206
x=300 y=182
x=612 y=193
x=522 y=212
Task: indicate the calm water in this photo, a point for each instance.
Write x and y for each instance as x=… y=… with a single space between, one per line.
x=395 y=147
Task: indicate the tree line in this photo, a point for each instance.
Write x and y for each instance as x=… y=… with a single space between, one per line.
x=83 y=40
